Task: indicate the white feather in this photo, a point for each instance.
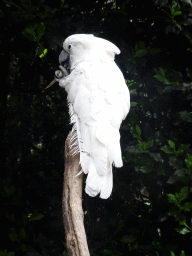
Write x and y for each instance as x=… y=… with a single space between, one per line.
x=98 y=102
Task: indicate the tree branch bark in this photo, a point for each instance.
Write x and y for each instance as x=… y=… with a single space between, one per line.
x=73 y=216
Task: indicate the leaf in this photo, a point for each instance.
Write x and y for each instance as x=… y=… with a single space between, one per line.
x=136 y=136
x=138 y=130
x=179 y=173
x=133 y=104
x=172 y=11
x=188 y=161
x=140 y=52
x=5 y=253
x=172 y=179
x=142 y=145
x=162 y=71
x=43 y=54
x=13 y=236
x=134 y=149
x=156 y=157
x=40 y=30
x=35 y=216
x=172 y=253
x=186 y=116
x=30 y=30
x=145 y=169
x=176 y=162
x=160 y=78
x=187 y=206
x=182 y=148
x=187 y=85
x=179 y=26
x=183 y=193
x=183 y=223
x=149 y=143
x=182 y=253
x=62 y=2
x=171 y=144
x=34 y=31
x=177 y=13
x=183 y=231
x=167 y=150
x=172 y=198
x=29 y=33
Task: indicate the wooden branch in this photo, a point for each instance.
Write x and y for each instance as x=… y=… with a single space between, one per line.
x=73 y=216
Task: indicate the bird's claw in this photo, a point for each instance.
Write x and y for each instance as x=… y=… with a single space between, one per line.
x=58 y=75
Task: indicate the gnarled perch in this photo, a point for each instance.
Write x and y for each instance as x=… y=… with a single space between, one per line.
x=73 y=216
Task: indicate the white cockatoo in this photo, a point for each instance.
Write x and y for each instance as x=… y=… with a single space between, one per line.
x=98 y=100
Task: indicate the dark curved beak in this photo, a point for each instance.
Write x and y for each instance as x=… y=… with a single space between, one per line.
x=64 y=59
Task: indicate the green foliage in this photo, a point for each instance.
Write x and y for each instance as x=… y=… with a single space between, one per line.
x=34 y=31
x=149 y=212
x=5 y=253
x=172 y=150
x=180 y=201
x=182 y=253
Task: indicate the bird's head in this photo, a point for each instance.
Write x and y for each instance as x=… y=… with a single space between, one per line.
x=83 y=47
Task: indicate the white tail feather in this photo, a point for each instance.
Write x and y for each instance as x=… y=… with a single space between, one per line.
x=97 y=160
x=96 y=183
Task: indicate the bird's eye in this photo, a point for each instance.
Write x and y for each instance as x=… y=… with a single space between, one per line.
x=69 y=46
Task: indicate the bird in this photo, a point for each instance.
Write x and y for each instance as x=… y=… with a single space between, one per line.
x=99 y=100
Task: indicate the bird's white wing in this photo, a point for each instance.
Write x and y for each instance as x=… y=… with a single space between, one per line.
x=99 y=101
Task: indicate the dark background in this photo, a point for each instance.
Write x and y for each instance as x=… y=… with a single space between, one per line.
x=149 y=211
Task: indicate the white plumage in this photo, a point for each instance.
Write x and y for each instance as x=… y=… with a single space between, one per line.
x=98 y=102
